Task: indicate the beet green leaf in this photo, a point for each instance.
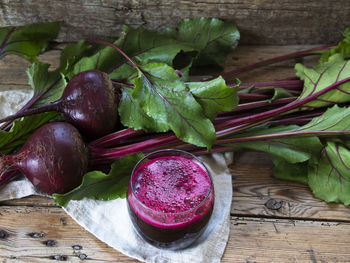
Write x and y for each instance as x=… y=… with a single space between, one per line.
x=329 y=175
x=342 y=48
x=21 y=130
x=100 y=186
x=48 y=85
x=210 y=40
x=132 y=115
x=293 y=143
x=212 y=37
x=73 y=53
x=27 y=41
x=278 y=93
x=140 y=45
x=289 y=148
x=161 y=94
x=157 y=100
x=214 y=96
x=322 y=76
x=306 y=159
x=147 y=46
x=333 y=119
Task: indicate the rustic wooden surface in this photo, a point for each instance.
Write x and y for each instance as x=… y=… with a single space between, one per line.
x=298 y=228
x=260 y=21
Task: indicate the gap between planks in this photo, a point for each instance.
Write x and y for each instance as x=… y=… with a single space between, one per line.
x=50 y=233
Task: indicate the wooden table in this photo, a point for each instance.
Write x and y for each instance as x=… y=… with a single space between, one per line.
x=271 y=220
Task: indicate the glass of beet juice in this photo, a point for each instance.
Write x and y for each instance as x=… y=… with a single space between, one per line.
x=170 y=198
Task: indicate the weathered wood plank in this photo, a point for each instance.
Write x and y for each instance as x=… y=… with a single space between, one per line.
x=12 y=73
x=273 y=240
x=261 y=22
x=249 y=54
x=13 y=69
x=50 y=234
x=33 y=200
x=257 y=193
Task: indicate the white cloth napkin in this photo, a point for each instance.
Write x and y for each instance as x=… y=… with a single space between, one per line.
x=117 y=230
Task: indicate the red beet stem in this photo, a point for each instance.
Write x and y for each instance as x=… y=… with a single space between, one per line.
x=116 y=136
x=54 y=106
x=100 y=155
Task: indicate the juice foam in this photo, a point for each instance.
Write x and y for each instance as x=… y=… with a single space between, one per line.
x=172 y=185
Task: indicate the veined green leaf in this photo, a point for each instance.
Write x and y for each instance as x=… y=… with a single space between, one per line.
x=212 y=37
x=131 y=115
x=159 y=101
x=214 y=96
x=21 y=130
x=329 y=176
x=48 y=83
x=205 y=39
x=161 y=94
x=342 y=48
x=147 y=46
x=27 y=41
x=73 y=53
x=277 y=93
x=333 y=119
x=294 y=143
x=305 y=159
x=291 y=149
x=140 y=45
x=322 y=76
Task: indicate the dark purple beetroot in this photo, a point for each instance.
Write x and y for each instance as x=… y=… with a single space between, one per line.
x=93 y=109
x=54 y=158
x=88 y=102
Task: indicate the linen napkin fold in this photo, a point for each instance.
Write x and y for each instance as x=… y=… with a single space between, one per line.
x=117 y=230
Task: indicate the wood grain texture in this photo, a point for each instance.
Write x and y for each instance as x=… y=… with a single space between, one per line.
x=283 y=241
x=47 y=234
x=255 y=189
x=248 y=54
x=260 y=21
x=50 y=234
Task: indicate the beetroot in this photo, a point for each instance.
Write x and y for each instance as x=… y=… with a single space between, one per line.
x=88 y=102
x=54 y=158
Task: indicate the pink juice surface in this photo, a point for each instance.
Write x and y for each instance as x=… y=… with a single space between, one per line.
x=171 y=184
x=172 y=198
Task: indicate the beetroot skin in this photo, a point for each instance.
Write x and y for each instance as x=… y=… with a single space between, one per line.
x=54 y=158
x=94 y=108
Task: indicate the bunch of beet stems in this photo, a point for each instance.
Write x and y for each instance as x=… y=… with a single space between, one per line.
x=254 y=108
